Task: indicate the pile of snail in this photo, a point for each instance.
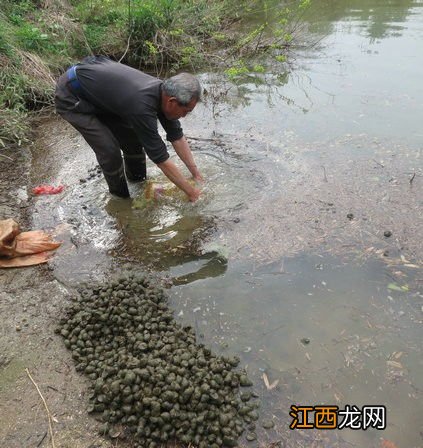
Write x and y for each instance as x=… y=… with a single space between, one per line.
x=149 y=375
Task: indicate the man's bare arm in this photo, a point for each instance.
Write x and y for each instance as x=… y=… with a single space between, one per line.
x=183 y=150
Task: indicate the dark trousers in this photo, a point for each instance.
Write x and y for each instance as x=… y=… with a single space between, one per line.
x=107 y=134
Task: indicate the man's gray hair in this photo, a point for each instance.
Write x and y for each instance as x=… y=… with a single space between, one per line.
x=184 y=87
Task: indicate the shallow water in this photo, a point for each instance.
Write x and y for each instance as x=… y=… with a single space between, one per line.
x=268 y=264
x=325 y=330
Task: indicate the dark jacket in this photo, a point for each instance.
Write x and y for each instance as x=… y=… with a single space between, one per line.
x=114 y=88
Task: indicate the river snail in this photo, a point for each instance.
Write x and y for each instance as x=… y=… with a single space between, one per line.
x=148 y=373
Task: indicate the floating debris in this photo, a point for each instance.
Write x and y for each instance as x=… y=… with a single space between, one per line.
x=387 y=444
x=267 y=382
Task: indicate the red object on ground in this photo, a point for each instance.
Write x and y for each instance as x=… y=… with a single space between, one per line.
x=48 y=189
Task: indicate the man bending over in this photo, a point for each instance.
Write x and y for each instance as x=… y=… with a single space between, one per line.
x=116 y=108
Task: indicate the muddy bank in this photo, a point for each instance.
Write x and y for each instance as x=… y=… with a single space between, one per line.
x=30 y=302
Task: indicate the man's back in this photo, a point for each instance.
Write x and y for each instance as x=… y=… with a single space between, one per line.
x=118 y=89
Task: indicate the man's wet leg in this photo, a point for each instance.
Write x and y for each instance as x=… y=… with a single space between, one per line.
x=135 y=166
x=117 y=182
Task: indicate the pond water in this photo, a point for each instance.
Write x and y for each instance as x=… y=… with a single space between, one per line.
x=284 y=260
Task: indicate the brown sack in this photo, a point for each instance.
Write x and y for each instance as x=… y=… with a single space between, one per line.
x=27 y=260
x=34 y=242
x=23 y=249
x=9 y=229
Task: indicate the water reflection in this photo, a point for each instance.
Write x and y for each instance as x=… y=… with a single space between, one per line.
x=378 y=19
x=167 y=238
x=211 y=264
x=223 y=96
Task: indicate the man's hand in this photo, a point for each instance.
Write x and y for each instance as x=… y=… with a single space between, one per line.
x=194 y=195
x=198 y=177
x=183 y=150
x=172 y=172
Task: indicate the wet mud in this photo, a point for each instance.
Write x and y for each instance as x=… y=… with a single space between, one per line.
x=30 y=302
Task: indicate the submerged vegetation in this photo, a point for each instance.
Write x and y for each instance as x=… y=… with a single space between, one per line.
x=39 y=39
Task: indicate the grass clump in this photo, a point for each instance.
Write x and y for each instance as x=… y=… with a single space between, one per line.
x=34 y=45
x=14 y=127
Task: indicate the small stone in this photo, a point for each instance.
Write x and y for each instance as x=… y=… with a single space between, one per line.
x=350 y=216
x=244 y=381
x=305 y=341
x=18 y=328
x=129 y=378
x=387 y=233
x=268 y=424
x=251 y=436
x=114 y=433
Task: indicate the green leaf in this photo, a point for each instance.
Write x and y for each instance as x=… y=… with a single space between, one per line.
x=395 y=287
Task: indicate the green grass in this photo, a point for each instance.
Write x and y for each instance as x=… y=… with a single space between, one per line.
x=164 y=36
x=34 y=46
x=14 y=127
